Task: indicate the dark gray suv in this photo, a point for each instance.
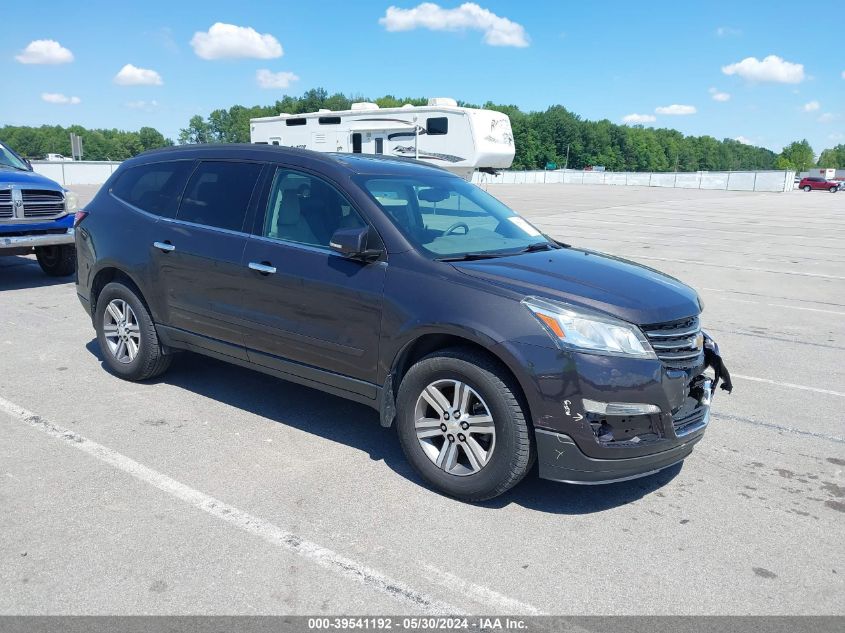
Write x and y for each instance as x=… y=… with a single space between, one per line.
x=393 y=283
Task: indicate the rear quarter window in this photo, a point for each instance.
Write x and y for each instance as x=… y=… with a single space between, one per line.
x=154 y=188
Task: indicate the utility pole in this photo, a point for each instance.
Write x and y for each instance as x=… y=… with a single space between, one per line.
x=566 y=164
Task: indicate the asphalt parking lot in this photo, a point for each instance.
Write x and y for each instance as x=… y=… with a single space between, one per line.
x=220 y=490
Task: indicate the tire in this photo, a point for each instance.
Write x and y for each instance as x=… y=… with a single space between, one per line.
x=58 y=260
x=509 y=449
x=149 y=359
x=808 y=188
x=834 y=189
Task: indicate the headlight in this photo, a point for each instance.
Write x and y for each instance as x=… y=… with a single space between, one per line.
x=71 y=202
x=573 y=327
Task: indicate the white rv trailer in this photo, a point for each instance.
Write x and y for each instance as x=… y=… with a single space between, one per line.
x=458 y=139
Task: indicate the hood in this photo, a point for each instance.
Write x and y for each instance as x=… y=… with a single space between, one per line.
x=618 y=287
x=26 y=179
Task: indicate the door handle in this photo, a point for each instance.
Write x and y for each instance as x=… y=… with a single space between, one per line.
x=164 y=246
x=264 y=268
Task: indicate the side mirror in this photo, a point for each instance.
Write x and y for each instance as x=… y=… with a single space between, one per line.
x=28 y=164
x=352 y=243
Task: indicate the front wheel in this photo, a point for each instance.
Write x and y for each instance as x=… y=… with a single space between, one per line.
x=58 y=260
x=834 y=189
x=807 y=188
x=461 y=425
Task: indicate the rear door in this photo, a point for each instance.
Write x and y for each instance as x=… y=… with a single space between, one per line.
x=199 y=255
x=309 y=310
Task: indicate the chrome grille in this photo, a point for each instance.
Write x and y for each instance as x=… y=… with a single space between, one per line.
x=677 y=343
x=6 y=204
x=38 y=203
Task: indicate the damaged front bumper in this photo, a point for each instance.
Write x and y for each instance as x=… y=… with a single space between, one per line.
x=601 y=419
x=560 y=459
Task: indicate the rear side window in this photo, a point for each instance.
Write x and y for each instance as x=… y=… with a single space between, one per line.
x=218 y=194
x=154 y=188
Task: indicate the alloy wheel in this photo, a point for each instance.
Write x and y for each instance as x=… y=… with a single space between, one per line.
x=121 y=331
x=454 y=427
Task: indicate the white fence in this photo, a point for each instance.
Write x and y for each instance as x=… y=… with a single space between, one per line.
x=67 y=173
x=725 y=180
x=70 y=173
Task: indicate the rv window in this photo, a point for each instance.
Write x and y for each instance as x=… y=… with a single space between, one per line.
x=438 y=125
x=356 y=143
x=379 y=145
x=295 y=121
x=260 y=143
x=329 y=120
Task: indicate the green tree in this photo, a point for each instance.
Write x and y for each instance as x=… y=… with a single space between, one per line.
x=798 y=155
x=198 y=131
x=833 y=157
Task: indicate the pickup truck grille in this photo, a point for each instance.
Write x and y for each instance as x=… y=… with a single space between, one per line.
x=42 y=204
x=5 y=204
x=678 y=344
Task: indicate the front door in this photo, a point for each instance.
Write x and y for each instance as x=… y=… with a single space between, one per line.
x=309 y=310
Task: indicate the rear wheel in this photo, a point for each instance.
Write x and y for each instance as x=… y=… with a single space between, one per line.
x=807 y=188
x=58 y=260
x=127 y=336
x=461 y=425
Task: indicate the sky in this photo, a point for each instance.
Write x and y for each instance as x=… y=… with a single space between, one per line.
x=761 y=72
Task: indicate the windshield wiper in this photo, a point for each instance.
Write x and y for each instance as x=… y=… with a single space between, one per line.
x=540 y=246
x=469 y=257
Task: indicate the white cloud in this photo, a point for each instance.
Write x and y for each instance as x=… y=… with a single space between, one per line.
x=147 y=106
x=44 y=52
x=268 y=79
x=772 y=68
x=131 y=75
x=828 y=117
x=727 y=31
x=637 y=119
x=812 y=106
x=744 y=140
x=227 y=41
x=676 y=110
x=57 y=97
x=717 y=95
x=498 y=31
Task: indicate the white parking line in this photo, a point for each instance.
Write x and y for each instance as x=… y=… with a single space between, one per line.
x=735 y=267
x=781 y=305
x=275 y=535
x=791 y=385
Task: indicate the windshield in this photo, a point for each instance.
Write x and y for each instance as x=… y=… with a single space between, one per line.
x=447 y=217
x=9 y=159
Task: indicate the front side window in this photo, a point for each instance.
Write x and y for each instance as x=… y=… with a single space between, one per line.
x=218 y=194
x=307 y=210
x=154 y=188
x=446 y=216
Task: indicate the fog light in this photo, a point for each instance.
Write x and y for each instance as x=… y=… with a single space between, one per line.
x=619 y=408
